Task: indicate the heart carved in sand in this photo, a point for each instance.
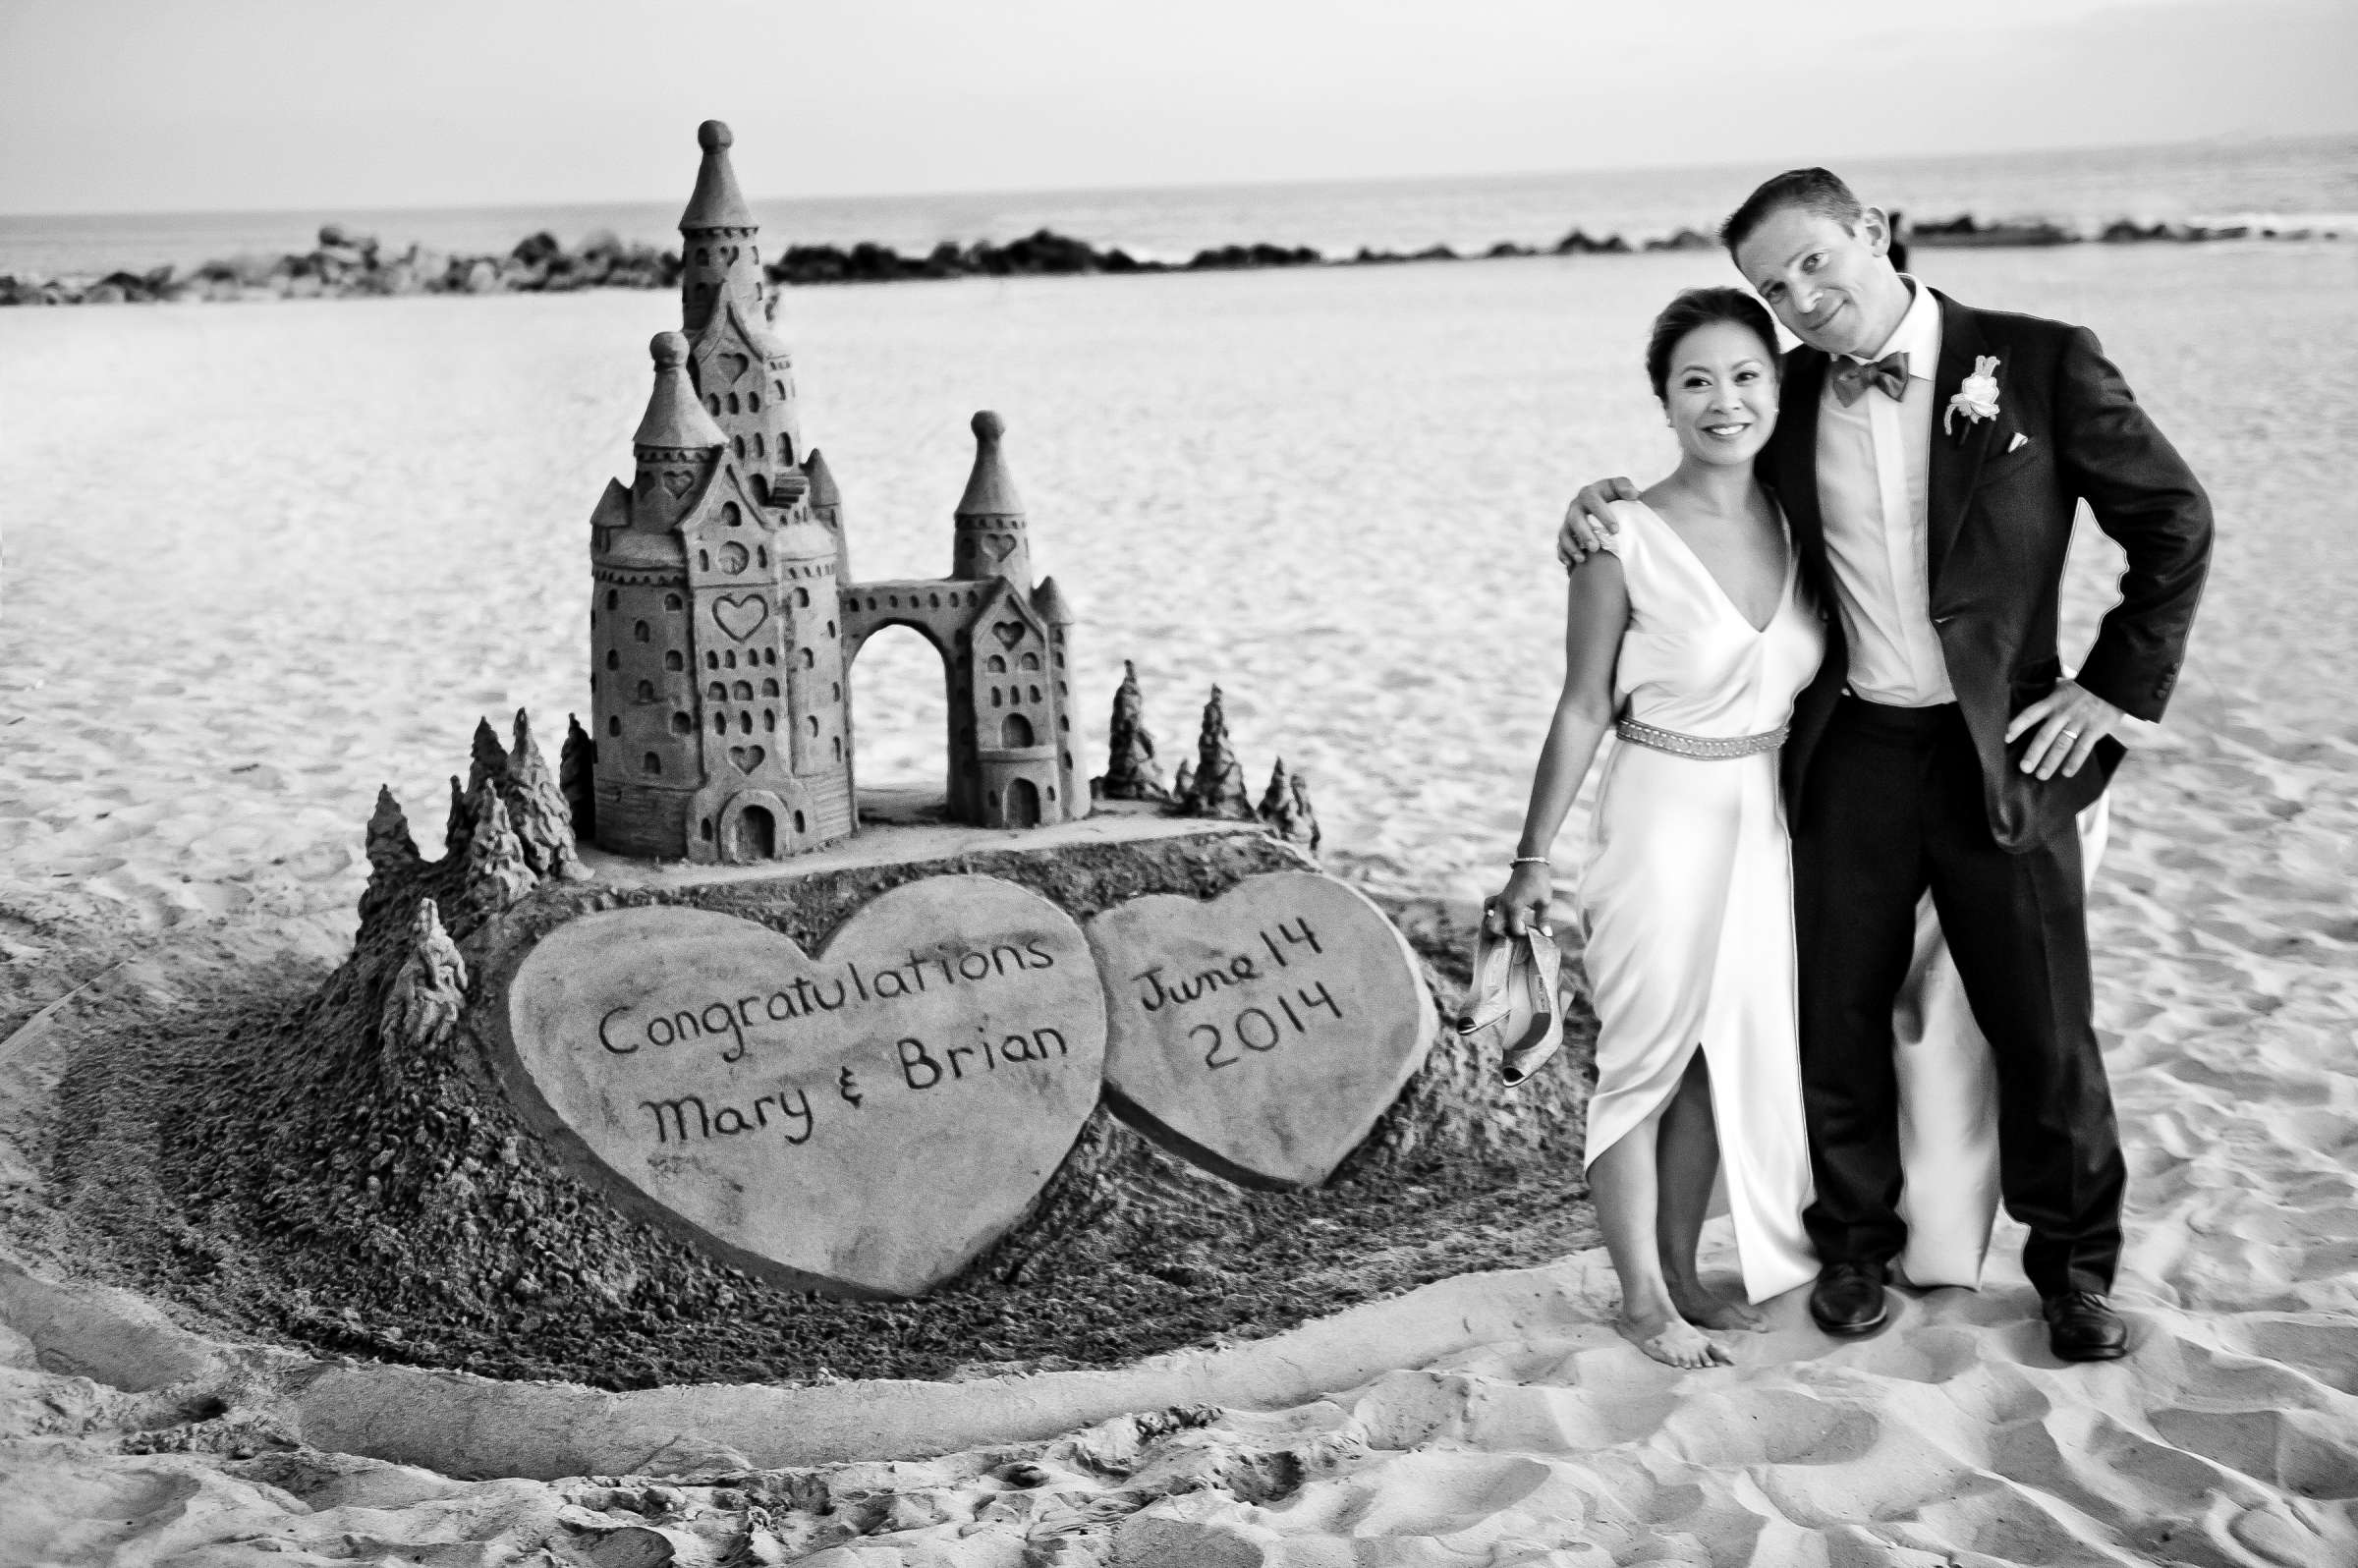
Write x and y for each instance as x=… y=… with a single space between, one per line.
x=1008 y=632
x=1262 y=1032
x=746 y=758
x=741 y=614
x=864 y=1121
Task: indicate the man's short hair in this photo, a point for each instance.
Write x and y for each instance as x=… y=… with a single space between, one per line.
x=1818 y=191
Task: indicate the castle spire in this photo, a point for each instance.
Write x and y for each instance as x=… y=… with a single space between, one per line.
x=716 y=202
x=991 y=529
x=675 y=421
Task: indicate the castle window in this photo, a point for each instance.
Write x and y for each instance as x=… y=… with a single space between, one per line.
x=706 y=829
x=612 y=599
x=934 y=599
x=732 y=409
x=810 y=659
x=613 y=658
x=802 y=597
x=680 y=724
x=995 y=665
x=737 y=445
x=785 y=449
x=704 y=560
x=745 y=723
x=615 y=725
x=641 y=631
x=671 y=601
x=1052 y=788
x=730 y=515
x=753 y=401
x=762 y=554
x=711 y=661
x=1036 y=694
x=743 y=690
x=1031 y=661
x=799 y=825
x=703 y=259
x=650 y=763
x=769 y=655
x=1016 y=732
x=770 y=718
x=729 y=658
x=758 y=450
x=647 y=691
x=718 y=692
x=838 y=747
x=720 y=724
x=780 y=387
x=838 y=693
x=830 y=628
x=814 y=723
x=672 y=659
x=996 y=700
x=712 y=403
x=769 y=688
x=1068 y=761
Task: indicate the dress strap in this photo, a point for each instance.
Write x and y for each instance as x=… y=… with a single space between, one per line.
x=1709 y=748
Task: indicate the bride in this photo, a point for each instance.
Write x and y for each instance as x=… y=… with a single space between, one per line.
x=1689 y=640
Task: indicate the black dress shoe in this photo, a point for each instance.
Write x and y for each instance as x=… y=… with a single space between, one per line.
x=1848 y=1299
x=2080 y=1325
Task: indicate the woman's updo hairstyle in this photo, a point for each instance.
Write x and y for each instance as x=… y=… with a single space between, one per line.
x=1700 y=308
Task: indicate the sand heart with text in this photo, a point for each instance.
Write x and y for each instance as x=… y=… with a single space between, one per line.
x=1262 y=1032
x=862 y=1121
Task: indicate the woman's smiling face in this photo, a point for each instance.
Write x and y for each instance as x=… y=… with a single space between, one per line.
x=1720 y=394
x=1833 y=287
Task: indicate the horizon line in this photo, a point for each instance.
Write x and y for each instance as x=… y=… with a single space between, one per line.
x=2221 y=140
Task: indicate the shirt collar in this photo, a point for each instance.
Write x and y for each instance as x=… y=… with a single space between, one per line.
x=1918 y=334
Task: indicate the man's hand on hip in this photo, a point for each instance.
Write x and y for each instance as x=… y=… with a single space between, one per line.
x=1584 y=519
x=2069 y=722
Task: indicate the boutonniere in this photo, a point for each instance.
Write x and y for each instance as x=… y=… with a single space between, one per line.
x=1977 y=398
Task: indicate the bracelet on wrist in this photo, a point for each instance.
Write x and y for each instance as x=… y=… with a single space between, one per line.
x=1531 y=859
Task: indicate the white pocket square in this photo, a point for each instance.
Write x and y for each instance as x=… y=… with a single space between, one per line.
x=2019 y=442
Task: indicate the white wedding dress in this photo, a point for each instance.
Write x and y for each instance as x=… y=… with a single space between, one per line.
x=1687 y=896
x=1688 y=902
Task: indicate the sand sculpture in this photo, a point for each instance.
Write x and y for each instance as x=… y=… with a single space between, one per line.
x=723 y=629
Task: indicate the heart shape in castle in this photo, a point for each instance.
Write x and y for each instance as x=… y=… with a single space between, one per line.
x=1262 y=1032
x=864 y=1121
x=741 y=614
x=746 y=758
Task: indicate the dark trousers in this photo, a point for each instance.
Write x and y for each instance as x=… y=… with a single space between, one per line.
x=1893 y=806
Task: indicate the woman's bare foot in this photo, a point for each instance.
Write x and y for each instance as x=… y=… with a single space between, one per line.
x=1706 y=1310
x=1673 y=1341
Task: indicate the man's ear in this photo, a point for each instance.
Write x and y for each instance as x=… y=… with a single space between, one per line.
x=1876 y=230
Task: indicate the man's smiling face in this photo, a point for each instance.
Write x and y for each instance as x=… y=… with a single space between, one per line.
x=1832 y=286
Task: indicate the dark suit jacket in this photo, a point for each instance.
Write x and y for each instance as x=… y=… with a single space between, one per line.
x=1998 y=526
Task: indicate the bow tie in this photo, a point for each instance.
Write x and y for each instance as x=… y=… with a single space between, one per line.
x=1890 y=372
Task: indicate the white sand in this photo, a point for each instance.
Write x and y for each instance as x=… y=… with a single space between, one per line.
x=259 y=559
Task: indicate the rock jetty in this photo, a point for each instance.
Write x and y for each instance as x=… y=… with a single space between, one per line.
x=346 y=264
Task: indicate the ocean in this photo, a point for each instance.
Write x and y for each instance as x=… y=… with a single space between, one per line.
x=2306 y=182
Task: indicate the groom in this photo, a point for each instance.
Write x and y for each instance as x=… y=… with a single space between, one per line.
x=1930 y=457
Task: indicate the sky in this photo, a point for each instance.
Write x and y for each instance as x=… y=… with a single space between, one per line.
x=190 y=105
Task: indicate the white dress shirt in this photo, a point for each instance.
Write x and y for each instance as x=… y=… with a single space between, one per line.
x=1873 y=464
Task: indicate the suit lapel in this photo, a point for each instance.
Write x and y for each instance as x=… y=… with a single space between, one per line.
x=1955 y=460
x=1797 y=454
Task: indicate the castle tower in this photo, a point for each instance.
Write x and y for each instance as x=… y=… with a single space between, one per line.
x=744 y=375
x=990 y=538
x=826 y=509
x=717 y=684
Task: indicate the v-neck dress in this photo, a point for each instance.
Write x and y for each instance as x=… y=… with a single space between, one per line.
x=1687 y=895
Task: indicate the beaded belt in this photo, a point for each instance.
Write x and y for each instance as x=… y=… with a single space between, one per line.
x=1711 y=747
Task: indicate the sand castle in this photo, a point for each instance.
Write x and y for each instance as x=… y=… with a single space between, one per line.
x=724 y=626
